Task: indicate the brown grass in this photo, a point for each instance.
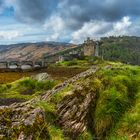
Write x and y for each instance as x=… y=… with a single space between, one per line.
x=58 y=73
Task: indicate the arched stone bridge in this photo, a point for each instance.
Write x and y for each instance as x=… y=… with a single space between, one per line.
x=22 y=64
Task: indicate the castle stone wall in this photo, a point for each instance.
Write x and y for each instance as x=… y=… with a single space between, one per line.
x=91 y=48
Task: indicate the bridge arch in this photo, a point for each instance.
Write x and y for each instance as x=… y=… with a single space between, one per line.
x=13 y=64
x=27 y=64
x=38 y=64
x=23 y=64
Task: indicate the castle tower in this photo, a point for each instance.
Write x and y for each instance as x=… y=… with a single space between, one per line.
x=97 y=49
x=89 y=47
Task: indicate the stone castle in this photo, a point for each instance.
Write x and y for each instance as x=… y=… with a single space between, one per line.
x=91 y=48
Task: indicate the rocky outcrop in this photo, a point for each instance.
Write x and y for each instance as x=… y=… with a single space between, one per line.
x=21 y=122
x=76 y=109
x=9 y=101
x=41 y=77
x=72 y=80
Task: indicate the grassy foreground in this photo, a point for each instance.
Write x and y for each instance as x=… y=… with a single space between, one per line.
x=113 y=115
x=23 y=90
x=116 y=114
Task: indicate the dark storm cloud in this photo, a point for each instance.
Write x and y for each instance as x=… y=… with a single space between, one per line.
x=77 y=12
x=34 y=11
x=1 y=6
x=1 y=3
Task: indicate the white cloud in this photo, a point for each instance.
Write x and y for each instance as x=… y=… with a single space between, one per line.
x=123 y=24
x=56 y=28
x=122 y=27
x=97 y=29
x=93 y=29
x=55 y=23
x=9 y=35
x=53 y=37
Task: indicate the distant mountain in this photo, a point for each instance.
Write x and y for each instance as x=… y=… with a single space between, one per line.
x=31 y=51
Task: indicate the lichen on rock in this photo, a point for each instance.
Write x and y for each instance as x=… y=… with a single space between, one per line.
x=41 y=77
x=22 y=121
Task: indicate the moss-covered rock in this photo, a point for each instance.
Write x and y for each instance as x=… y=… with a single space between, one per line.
x=22 y=121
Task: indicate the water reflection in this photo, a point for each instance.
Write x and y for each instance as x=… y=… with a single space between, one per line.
x=37 y=66
x=24 y=67
x=13 y=66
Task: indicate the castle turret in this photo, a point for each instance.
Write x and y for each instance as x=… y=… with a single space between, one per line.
x=89 y=47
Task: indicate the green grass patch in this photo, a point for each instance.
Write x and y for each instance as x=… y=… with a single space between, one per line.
x=119 y=94
x=25 y=89
x=85 y=136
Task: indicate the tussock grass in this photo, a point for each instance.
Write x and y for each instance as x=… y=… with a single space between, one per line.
x=52 y=127
x=118 y=97
x=85 y=136
x=25 y=89
x=84 y=62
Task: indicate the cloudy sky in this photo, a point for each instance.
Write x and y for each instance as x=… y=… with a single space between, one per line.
x=67 y=20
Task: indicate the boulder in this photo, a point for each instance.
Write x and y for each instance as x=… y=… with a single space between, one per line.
x=41 y=76
x=22 y=121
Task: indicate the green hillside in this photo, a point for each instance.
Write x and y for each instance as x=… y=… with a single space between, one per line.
x=125 y=49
